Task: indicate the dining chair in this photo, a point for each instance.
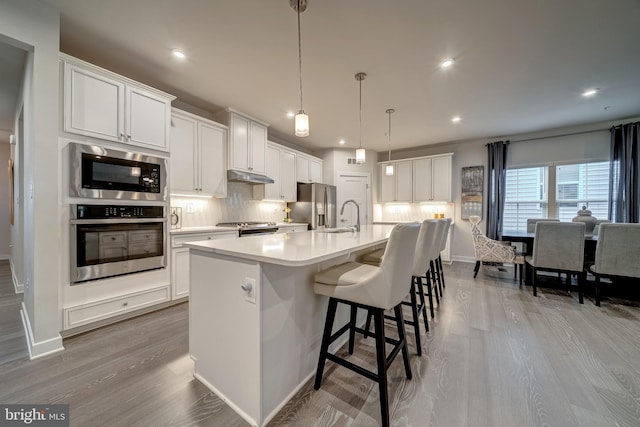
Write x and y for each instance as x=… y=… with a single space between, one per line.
x=617 y=253
x=599 y=222
x=558 y=247
x=489 y=250
x=531 y=223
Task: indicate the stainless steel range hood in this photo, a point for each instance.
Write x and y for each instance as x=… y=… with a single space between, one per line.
x=251 y=178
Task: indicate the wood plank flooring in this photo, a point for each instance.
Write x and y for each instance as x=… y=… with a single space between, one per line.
x=495 y=356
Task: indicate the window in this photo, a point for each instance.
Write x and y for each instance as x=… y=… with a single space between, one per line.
x=526 y=197
x=576 y=185
x=585 y=184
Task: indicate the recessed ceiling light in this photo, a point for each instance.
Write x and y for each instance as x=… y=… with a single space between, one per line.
x=447 y=63
x=342 y=141
x=291 y=114
x=178 y=54
x=456 y=119
x=590 y=92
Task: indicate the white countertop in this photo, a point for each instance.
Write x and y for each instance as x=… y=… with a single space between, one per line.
x=297 y=249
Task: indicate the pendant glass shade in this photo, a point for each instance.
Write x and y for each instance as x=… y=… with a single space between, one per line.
x=302 y=124
x=389 y=170
x=360 y=155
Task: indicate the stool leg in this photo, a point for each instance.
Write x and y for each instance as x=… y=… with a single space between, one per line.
x=597 y=290
x=416 y=316
x=444 y=285
x=433 y=281
x=367 y=326
x=535 y=281
x=438 y=275
x=352 y=327
x=326 y=336
x=402 y=337
x=430 y=294
x=381 y=357
x=422 y=301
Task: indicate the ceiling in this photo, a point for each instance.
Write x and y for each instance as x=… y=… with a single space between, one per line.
x=12 y=60
x=520 y=66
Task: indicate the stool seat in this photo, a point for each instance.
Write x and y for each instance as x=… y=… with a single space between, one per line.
x=348 y=273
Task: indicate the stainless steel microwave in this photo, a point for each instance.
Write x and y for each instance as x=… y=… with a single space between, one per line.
x=101 y=173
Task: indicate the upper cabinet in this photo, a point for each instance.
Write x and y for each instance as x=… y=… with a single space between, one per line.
x=104 y=105
x=281 y=167
x=417 y=180
x=247 y=141
x=198 y=155
x=308 y=168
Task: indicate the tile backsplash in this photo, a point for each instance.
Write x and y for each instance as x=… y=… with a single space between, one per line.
x=239 y=205
x=410 y=211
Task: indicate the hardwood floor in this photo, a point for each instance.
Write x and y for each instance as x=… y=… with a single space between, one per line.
x=495 y=356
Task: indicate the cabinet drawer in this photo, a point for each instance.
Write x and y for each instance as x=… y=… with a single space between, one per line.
x=178 y=241
x=143 y=236
x=145 y=248
x=295 y=229
x=93 y=312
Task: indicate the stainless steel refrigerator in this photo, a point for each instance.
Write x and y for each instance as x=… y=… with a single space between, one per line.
x=316 y=205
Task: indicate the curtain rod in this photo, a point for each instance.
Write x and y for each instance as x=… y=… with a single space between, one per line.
x=560 y=135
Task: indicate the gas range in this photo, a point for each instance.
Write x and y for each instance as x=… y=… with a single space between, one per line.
x=251 y=228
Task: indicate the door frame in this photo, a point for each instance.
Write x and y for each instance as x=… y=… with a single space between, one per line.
x=369 y=203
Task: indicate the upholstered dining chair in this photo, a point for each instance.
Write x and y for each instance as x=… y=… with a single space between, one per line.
x=557 y=247
x=617 y=253
x=489 y=250
x=531 y=223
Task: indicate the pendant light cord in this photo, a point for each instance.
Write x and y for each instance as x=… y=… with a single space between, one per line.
x=360 y=113
x=300 y=56
x=389 y=111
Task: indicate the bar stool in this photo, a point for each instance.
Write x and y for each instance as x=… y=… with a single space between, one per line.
x=424 y=249
x=443 y=245
x=375 y=289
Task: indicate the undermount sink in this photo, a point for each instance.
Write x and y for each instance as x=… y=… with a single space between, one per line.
x=339 y=230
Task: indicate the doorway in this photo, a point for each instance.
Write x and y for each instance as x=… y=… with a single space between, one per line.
x=354 y=186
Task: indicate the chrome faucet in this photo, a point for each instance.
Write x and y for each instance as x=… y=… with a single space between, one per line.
x=357 y=211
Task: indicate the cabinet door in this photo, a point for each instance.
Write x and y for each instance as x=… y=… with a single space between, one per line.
x=258 y=148
x=302 y=168
x=404 y=181
x=180 y=272
x=184 y=162
x=387 y=185
x=288 y=175
x=239 y=143
x=315 y=170
x=441 y=178
x=93 y=104
x=213 y=171
x=272 y=191
x=422 y=183
x=147 y=121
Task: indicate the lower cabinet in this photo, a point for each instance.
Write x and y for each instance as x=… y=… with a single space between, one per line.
x=180 y=258
x=92 y=312
x=292 y=228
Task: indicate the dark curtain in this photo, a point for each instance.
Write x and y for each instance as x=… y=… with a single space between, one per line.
x=624 y=204
x=496 y=179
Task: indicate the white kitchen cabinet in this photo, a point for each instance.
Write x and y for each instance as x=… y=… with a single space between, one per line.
x=432 y=179
x=198 y=155
x=397 y=187
x=417 y=180
x=247 y=141
x=180 y=258
x=104 y=105
x=281 y=167
x=308 y=169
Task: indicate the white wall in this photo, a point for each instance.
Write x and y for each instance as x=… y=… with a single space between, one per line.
x=35 y=27
x=5 y=234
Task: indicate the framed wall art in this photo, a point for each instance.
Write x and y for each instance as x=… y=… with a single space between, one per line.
x=472 y=184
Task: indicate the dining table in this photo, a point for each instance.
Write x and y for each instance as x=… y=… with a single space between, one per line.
x=527 y=239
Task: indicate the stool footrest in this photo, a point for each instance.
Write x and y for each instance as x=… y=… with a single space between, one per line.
x=355 y=368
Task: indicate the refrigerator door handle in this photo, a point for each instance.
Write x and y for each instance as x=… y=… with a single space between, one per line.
x=325 y=205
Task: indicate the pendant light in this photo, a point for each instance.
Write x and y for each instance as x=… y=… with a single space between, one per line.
x=301 y=119
x=360 y=153
x=389 y=168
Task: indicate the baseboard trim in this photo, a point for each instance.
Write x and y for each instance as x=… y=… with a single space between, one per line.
x=17 y=287
x=42 y=348
x=4 y=257
x=464 y=258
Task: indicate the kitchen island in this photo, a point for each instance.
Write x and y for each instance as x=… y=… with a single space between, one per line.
x=255 y=324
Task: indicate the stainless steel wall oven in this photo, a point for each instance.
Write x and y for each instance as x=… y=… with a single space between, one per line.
x=98 y=172
x=111 y=240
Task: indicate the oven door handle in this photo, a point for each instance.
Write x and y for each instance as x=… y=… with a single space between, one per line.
x=116 y=220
